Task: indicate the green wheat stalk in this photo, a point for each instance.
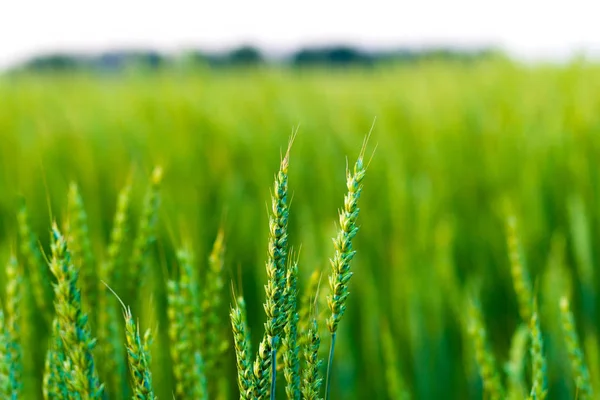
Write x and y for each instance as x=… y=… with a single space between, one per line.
x=341 y=274
x=311 y=378
x=138 y=357
x=73 y=323
x=306 y=307
x=578 y=366
x=190 y=314
x=291 y=357
x=396 y=385
x=243 y=348
x=109 y=329
x=180 y=345
x=211 y=334
x=37 y=271
x=518 y=271
x=5 y=361
x=146 y=232
x=516 y=362
x=276 y=270
x=80 y=247
x=55 y=376
x=14 y=278
x=486 y=361
x=538 y=360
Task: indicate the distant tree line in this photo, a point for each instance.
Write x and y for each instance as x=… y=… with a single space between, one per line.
x=332 y=56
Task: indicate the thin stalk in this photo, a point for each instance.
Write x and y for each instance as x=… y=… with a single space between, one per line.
x=330 y=366
x=273 y=367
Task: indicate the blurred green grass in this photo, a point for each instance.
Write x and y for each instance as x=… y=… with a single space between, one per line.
x=455 y=143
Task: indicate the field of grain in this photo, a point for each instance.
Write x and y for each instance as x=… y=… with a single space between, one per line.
x=480 y=211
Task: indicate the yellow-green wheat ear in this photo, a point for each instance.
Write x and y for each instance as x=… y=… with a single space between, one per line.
x=213 y=347
x=191 y=313
x=265 y=363
x=72 y=324
x=112 y=354
x=80 y=247
x=515 y=366
x=37 y=270
x=396 y=385
x=146 y=232
x=344 y=253
x=14 y=280
x=518 y=270
x=243 y=349
x=492 y=383
x=138 y=357
x=306 y=307
x=180 y=346
x=538 y=359
x=578 y=365
x=311 y=375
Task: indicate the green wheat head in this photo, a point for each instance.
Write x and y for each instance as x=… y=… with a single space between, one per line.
x=72 y=324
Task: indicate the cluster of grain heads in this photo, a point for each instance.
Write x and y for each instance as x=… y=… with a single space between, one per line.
x=37 y=270
x=80 y=247
x=72 y=326
x=344 y=253
x=146 y=233
x=243 y=348
x=492 y=382
x=578 y=365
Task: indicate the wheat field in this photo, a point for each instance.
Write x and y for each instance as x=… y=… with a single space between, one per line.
x=475 y=272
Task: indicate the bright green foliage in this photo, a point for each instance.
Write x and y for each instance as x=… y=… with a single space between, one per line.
x=456 y=142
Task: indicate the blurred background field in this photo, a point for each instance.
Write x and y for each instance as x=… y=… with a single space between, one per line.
x=457 y=145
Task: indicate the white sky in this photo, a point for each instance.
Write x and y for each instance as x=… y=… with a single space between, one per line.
x=532 y=29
